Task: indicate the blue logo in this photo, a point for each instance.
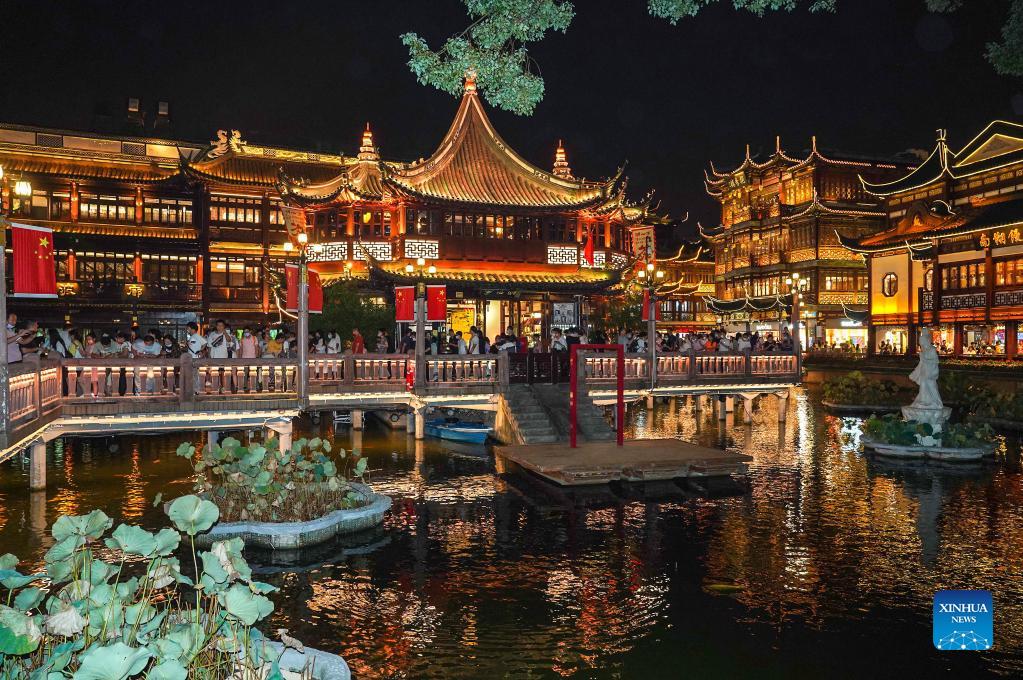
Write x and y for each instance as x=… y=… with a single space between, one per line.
x=964 y=620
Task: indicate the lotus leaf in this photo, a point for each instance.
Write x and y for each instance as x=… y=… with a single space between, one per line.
x=19 y=633
x=133 y=540
x=115 y=661
x=89 y=527
x=192 y=514
x=29 y=598
x=168 y=670
x=244 y=605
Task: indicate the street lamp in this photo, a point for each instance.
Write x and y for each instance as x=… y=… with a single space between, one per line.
x=796 y=285
x=651 y=277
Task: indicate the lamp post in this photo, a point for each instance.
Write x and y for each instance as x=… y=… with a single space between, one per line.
x=420 y=269
x=797 y=285
x=303 y=315
x=652 y=279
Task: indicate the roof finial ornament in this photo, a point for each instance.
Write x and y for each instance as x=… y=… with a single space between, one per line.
x=470 y=80
x=813 y=143
x=368 y=152
x=942 y=134
x=747 y=153
x=777 y=143
x=561 y=167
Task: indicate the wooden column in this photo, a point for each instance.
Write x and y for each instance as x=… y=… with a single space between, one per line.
x=264 y=221
x=989 y=281
x=350 y=225
x=957 y=339
x=75 y=211
x=201 y=212
x=138 y=205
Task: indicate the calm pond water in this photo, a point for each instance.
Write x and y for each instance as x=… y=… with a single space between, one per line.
x=836 y=557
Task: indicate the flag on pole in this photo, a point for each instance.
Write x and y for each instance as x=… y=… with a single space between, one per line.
x=437 y=303
x=404 y=303
x=35 y=275
x=646 y=307
x=315 y=290
x=588 y=248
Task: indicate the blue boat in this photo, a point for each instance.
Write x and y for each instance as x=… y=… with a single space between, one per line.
x=458 y=430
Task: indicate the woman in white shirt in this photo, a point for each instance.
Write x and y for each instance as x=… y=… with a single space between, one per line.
x=333 y=345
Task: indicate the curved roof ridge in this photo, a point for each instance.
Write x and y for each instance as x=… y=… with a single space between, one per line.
x=937 y=165
x=474 y=164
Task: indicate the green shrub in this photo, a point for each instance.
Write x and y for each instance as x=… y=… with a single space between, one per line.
x=966 y=435
x=264 y=484
x=855 y=388
x=137 y=615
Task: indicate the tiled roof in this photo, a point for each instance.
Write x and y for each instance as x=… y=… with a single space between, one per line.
x=473 y=164
x=76 y=167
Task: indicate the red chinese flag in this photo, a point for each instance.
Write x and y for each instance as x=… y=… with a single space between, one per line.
x=35 y=275
x=588 y=249
x=437 y=303
x=315 y=290
x=404 y=303
x=646 y=307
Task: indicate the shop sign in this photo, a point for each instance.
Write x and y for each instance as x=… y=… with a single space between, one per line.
x=1000 y=237
x=849 y=323
x=563 y=315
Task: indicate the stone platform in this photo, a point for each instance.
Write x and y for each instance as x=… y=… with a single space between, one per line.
x=602 y=462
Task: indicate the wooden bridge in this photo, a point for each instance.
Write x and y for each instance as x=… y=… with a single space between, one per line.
x=49 y=398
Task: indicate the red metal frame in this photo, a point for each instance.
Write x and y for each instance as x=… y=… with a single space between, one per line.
x=574 y=385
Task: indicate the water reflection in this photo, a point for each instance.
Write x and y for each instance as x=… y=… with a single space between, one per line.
x=478 y=575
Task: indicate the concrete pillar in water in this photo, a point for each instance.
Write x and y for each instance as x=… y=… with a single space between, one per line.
x=37 y=467
x=420 y=423
x=37 y=512
x=729 y=404
x=410 y=425
x=697 y=402
x=212 y=438
x=649 y=402
x=783 y=406
x=284 y=435
x=357 y=419
x=721 y=408
x=747 y=409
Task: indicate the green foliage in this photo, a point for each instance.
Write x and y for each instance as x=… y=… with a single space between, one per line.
x=855 y=388
x=95 y=621
x=892 y=429
x=264 y=484
x=612 y=315
x=494 y=45
x=345 y=308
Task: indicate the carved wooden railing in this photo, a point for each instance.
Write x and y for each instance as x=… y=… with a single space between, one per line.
x=454 y=370
x=692 y=367
x=34 y=391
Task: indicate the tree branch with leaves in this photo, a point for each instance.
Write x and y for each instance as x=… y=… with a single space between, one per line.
x=494 y=45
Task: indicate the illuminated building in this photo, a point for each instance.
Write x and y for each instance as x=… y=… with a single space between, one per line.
x=779 y=217
x=951 y=255
x=507 y=238
x=166 y=231
x=689 y=279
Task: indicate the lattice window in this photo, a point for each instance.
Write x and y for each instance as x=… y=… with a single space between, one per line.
x=415 y=248
x=133 y=148
x=599 y=258
x=329 y=252
x=562 y=255
x=378 y=251
x=55 y=141
x=618 y=260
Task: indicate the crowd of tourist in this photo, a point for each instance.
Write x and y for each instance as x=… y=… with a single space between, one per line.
x=221 y=341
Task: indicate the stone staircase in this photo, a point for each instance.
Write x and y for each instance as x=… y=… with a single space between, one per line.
x=539 y=414
x=589 y=418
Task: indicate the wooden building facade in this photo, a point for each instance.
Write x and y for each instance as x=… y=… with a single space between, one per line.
x=951 y=255
x=779 y=217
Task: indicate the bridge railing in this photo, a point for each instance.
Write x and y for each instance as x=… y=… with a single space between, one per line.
x=457 y=370
x=34 y=391
x=692 y=367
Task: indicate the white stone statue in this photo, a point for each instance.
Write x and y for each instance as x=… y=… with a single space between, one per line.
x=925 y=375
x=927 y=407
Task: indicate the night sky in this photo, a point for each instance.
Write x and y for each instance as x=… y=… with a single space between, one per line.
x=877 y=77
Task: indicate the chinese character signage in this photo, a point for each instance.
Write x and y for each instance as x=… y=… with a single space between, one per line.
x=1000 y=237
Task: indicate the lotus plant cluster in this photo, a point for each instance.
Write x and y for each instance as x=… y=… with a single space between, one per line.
x=262 y=483
x=890 y=429
x=131 y=609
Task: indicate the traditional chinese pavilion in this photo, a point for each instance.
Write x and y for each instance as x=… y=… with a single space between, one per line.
x=510 y=240
x=951 y=255
x=779 y=217
x=688 y=282
x=161 y=232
